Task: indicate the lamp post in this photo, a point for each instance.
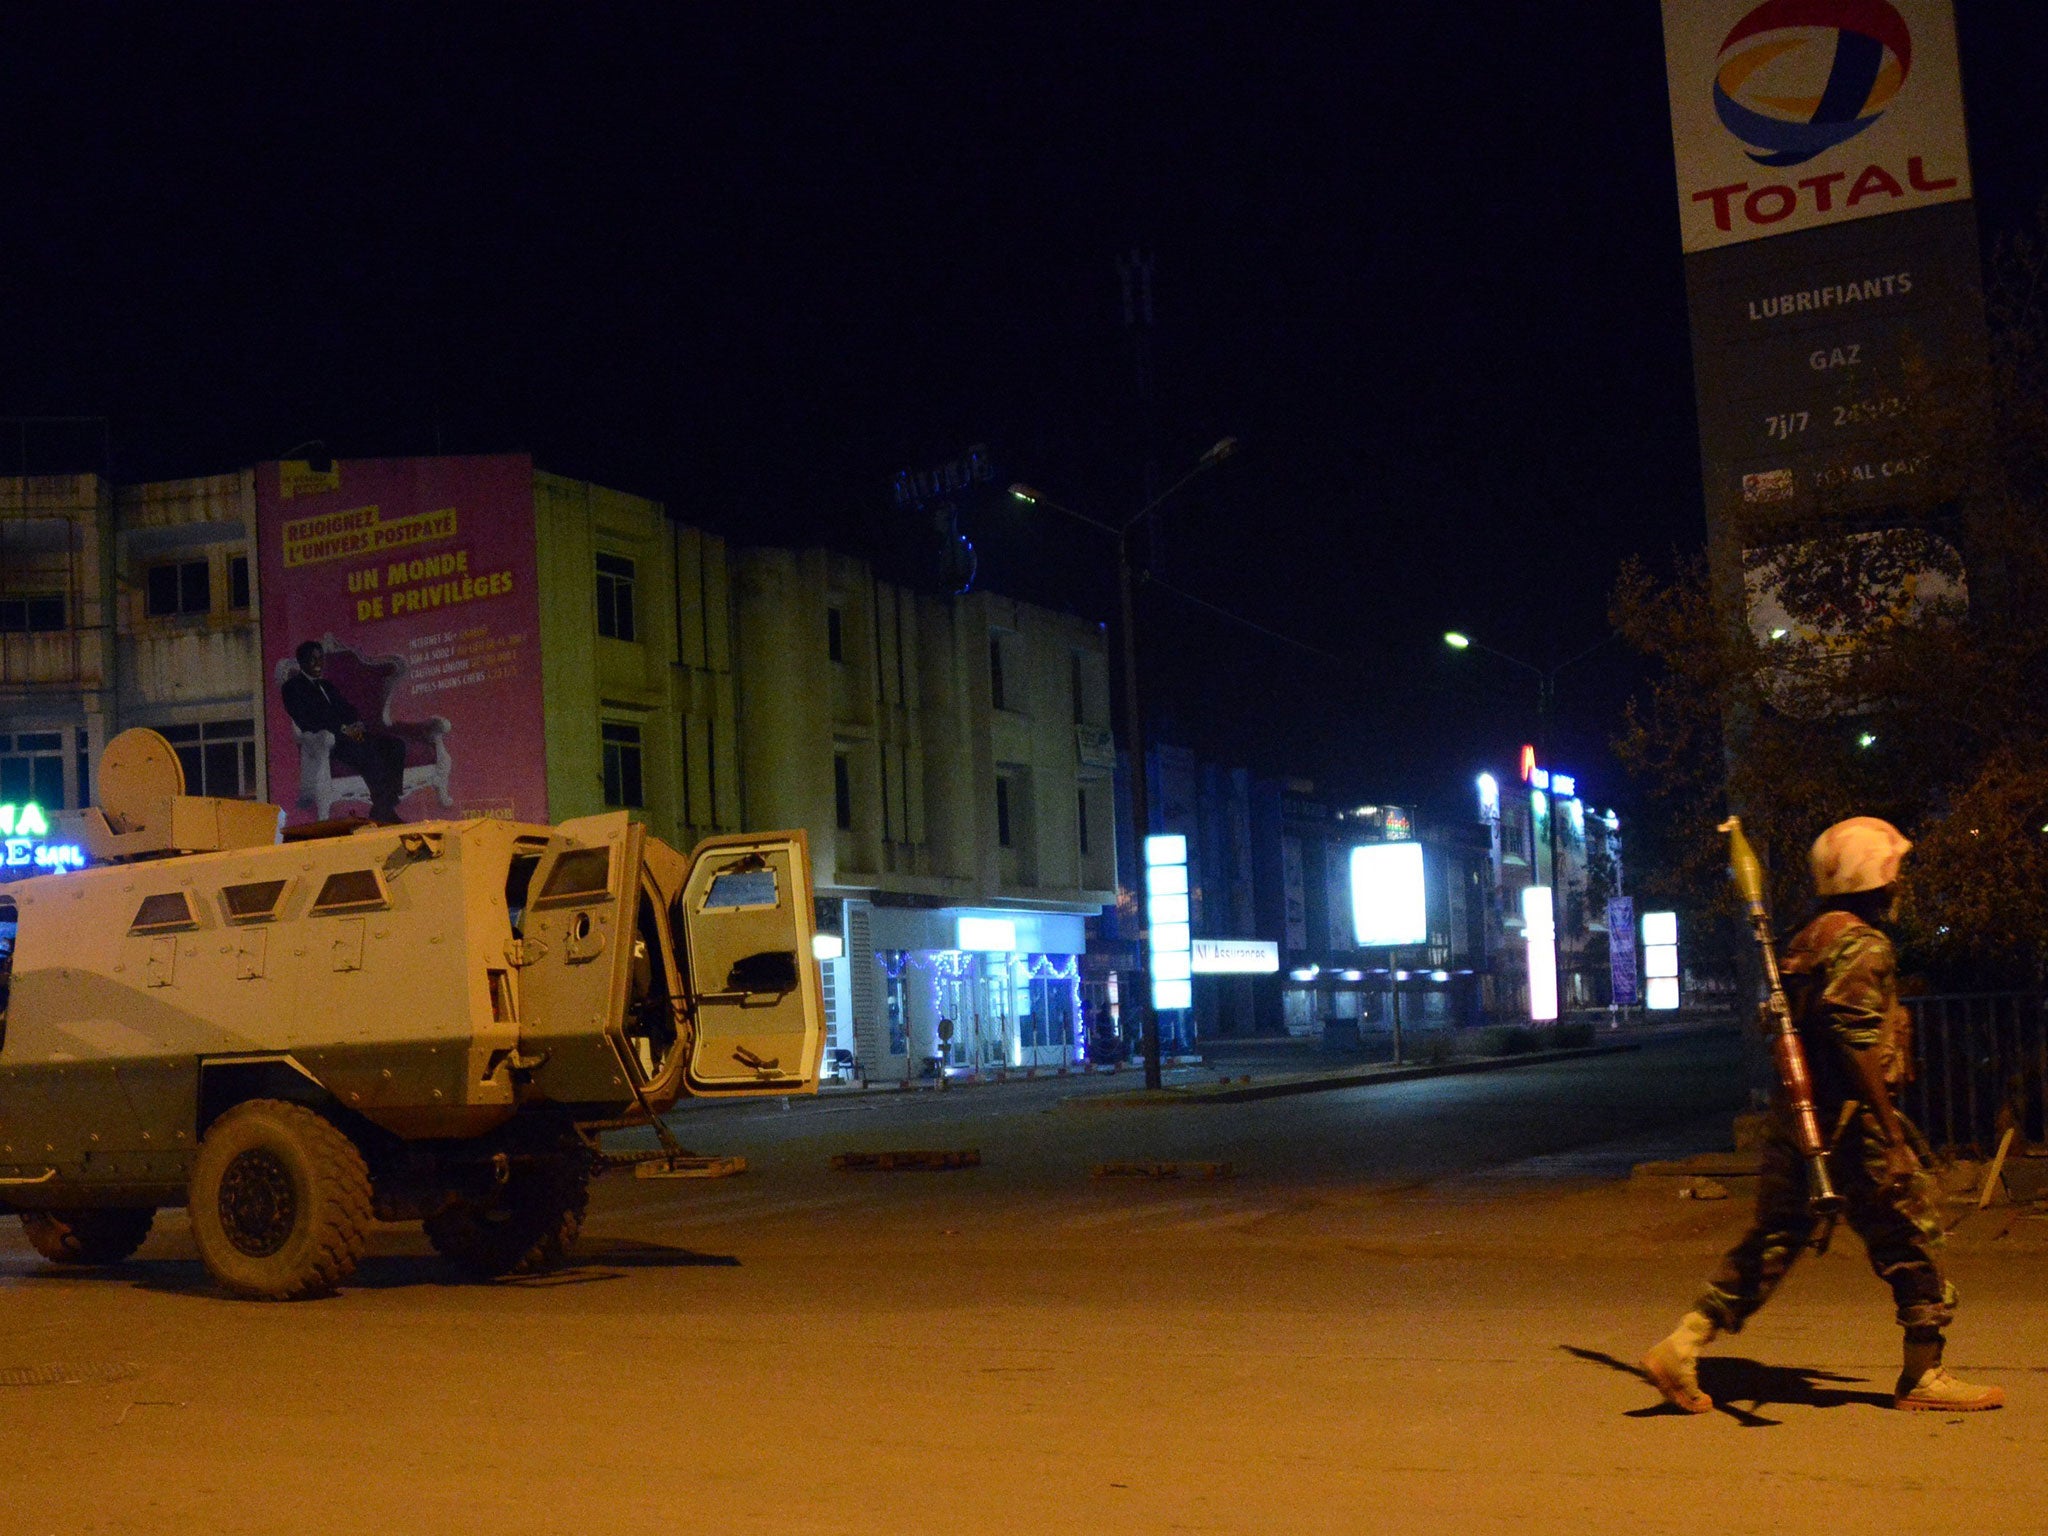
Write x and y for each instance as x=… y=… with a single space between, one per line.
x=1135 y=721
x=1546 y=704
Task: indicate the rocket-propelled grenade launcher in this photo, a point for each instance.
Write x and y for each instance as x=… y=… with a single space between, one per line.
x=1787 y=1053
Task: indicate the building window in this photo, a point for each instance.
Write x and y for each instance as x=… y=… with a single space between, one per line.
x=615 y=598
x=622 y=764
x=219 y=757
x=835 y=634
x=180 y=589
x=238 y=583
x=1003 y=813
x=996 y=694
x=31 y=613
x=842 y=791
x=1080 y=685
x=32 y=769
x=1081 y=816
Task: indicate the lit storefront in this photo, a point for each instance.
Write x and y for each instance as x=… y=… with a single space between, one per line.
x=973 y=990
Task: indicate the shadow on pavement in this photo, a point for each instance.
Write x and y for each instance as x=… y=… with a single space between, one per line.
x=631 y=1253
x=602 y=1259
x=1730 y=1379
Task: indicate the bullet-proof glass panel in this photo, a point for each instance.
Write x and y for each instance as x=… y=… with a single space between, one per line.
x=253 y=902
x=738 y=889
x=162 y=913
x=581 y=874
x=350 y=890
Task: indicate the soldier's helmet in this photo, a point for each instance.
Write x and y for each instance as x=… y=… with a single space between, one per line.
x=1860 y=854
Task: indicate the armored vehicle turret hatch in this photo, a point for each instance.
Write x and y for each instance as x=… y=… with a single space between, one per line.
x=431 y=1021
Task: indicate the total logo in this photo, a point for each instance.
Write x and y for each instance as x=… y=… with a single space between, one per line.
x=1796 y=78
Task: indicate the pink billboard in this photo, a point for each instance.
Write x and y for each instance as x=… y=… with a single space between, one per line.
x=401 y=638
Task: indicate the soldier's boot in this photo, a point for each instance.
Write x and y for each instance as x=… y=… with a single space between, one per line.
x=1926 y=1387
x=1673 y=1363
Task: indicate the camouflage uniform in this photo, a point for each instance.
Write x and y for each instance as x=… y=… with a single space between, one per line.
x=1840 y=976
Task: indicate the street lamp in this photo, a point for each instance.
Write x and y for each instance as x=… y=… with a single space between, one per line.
x=1546 y=704
x=1135 y=733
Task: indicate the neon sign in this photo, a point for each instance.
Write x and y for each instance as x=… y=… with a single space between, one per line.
x=24 y=833
x=1542 y=778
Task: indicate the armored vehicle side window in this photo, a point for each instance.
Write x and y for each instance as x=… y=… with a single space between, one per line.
x=581 y=874
x=163 y=914
x=740 y=888
x=254 y=902
x=350 y=890
x=518 y=883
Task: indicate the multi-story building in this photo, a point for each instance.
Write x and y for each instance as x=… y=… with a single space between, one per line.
x=57 y=651
x=1329 y=984
x=1542 y=833
x=545 y=649
x=188 y=648
x=639 y=694
x=951 y=759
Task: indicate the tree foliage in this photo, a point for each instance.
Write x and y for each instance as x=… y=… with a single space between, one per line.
x=1862 y=664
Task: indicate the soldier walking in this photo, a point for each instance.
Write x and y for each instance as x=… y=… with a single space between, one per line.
x=1840 y=975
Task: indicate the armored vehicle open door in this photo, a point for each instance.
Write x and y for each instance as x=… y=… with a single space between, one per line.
x=572 y=899
x=744 y=920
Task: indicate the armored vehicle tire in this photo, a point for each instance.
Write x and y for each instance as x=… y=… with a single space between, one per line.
x=531 y=1225
x=87 y=1237
x=280 y=1202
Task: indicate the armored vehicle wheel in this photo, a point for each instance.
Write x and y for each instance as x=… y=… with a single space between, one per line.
x=86 y=1237
x=531 y=1225
x=280 y=1200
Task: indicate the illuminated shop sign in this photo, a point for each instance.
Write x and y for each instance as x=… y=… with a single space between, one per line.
x=988 y=935
x=1660 y=958
x=1388 y=908
x=1539 y=929
x=25 y=844
x=1538 y=777
x=1166 y=920
x=1236 y=957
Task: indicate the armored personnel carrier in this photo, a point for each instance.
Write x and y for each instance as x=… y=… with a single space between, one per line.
x=432 y=1021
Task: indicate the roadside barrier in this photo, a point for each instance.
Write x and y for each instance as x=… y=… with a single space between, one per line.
x=1158 y=1170
x=897 y=1162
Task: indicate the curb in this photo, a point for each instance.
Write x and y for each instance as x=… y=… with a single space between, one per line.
x=1324 y=1082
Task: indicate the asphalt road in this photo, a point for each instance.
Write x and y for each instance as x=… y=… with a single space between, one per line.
x=1411 y=1302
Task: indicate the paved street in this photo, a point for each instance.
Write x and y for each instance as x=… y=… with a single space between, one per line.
x=1412 y=1301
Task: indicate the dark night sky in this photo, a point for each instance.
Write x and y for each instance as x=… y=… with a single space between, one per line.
x=1427 y=270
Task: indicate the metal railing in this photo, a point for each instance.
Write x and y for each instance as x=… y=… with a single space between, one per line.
x=1982 y=1066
